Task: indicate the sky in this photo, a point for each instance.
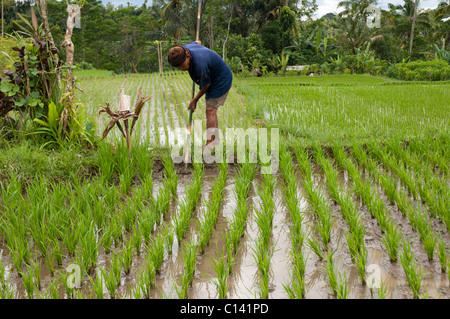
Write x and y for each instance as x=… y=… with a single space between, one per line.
x=325 y=6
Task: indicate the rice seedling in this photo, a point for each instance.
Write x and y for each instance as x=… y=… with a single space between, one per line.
x=360 y=261
x=232 y=239
x=127 y=257
x=112 y=278
x=147 y=279
x=170 y=174
x=342 y=287
x=429 y=243
x=106 y=162
x=52 y=291
x=97 y=285
x=262 y=255
x=7 y=291
x=316 y=247
x=144 y=163
x=189 y=260
x=331 y=272
x=296 y=290
x=20 y=251
x=107 y=239
x=381 y=291
x=168 y=236
x=442 y=254
x=116 y=229
x=414 y=274
x=391 y=241
x=147 y=222
x=72 y=237
x=157 y=252
x=221 y=269
x=28 y=281
x=88 y=249
x=136 y=239
x=68 y=286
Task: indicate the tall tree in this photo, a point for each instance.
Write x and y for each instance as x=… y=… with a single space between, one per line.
x=352 y=23
x=416 y=3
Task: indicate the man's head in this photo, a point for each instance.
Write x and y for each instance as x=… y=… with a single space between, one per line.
x=179 y=57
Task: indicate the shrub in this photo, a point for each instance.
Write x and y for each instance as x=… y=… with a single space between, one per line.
x=85 y=66
x=436 y=70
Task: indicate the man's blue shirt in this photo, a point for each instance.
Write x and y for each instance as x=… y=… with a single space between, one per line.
x=208 y=67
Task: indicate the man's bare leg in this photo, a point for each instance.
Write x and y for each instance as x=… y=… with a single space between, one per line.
x=212 y=122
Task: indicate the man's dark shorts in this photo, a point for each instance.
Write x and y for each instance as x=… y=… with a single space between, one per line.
x=215 y=103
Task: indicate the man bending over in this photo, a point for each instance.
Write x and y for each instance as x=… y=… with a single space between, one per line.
x=211 y=73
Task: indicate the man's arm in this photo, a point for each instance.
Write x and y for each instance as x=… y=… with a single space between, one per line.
x=193 y=104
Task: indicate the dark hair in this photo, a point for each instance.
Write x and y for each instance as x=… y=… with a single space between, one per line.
x=177 y=55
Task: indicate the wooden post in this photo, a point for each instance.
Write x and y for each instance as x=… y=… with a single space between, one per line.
x=188 y=138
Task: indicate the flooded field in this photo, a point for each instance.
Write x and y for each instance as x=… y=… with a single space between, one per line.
x=367 y=219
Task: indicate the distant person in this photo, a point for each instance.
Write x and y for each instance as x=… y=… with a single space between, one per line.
x=211 y=73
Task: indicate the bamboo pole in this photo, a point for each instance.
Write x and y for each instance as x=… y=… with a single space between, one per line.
x=188 y=138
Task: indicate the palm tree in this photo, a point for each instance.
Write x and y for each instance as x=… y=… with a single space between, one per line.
x=408 y=13
x=351 y=23
x=444 y=8
x=416 y=3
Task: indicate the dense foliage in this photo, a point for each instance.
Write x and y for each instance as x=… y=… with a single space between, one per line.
x=248 y=34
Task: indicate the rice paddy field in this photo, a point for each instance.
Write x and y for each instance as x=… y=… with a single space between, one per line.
x=359 y=207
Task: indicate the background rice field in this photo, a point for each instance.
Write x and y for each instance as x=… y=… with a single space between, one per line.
x=359 y=207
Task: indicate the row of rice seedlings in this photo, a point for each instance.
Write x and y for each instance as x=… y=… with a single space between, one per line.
x=432 y=151
x=165 y=100
x=189 y=202
x=356 y=235
x=236 y=226
x=373 y=202
x=178 y=103
x=296 y=289
x=408 y=160
x=223 y=264
x=317 y=200
x=418 y=218
x=427 y=181
x=414 y=274
x=154 y=103
x=438 y=205
x=264 y=219
x=212 y=207
x=156 y=252
x=162 y=111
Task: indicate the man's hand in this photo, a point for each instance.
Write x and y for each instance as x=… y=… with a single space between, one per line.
x=192 y=105
x=199 y=42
